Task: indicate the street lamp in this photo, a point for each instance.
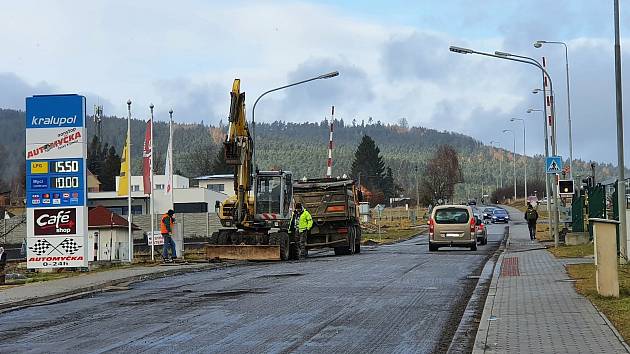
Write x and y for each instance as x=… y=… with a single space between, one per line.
x=539 y=44
x=513 y=158
x=546 y=137
x=524 y=152
x=323 y=76
x=534 y=62
x=500 y=165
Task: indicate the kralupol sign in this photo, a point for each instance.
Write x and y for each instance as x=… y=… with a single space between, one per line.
x=56 y=188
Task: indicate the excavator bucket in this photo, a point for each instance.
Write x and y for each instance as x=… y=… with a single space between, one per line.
x=243 y=252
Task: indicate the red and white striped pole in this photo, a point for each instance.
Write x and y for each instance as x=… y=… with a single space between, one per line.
x=330 y=144
x=549 y=103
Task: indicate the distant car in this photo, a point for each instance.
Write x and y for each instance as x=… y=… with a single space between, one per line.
x=480 y=231
x=500 y=215
x=472 y=202
x=487 y=213
x=452 y=225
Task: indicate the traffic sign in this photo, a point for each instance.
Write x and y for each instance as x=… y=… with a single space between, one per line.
x=553 y=164
x=565 y=187
x=56 y=190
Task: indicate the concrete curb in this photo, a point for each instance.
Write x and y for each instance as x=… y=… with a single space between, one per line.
x=480 y=345
x=488 y=271
x=88 y=290
x=612 y=327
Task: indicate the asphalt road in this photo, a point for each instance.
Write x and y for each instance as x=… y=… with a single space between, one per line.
x=394 y=298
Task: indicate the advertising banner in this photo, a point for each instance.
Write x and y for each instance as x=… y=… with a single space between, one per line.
x=56 y=190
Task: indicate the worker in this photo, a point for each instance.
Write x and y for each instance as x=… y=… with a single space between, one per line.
x=303 y=222
x=166 y=229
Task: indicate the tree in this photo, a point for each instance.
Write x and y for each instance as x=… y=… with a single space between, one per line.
x=368 y=165
x=111 y=169
x=442 y=173
x=199 y=161
x=219 y=165
x=95 y=156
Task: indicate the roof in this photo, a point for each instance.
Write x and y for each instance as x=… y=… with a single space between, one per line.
x=322 y=183
x=101 y=217
x=210 y=177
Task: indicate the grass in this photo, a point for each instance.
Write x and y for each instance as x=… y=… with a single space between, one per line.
x=579 y=251
x=617 y=310
x=389 y=235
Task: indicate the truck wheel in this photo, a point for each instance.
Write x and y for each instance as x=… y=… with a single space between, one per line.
x=474 y=246
x=357 y=245
x=432 y=247
x=341 y=251
x=214 y=238
x=281 y=239
x=223 y=238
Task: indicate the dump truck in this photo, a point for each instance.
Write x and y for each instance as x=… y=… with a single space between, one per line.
x=334 y=207
x=256 y=217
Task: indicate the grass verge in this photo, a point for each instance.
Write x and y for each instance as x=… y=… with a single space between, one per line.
x=579 y=251
x=617 y=310
x=390 y=235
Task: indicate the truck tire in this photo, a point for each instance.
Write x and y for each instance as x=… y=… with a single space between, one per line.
x=341 y=251
x=357 y=247
x=432 y=247
x=214 y=238
x=474 y=246
x=281 y=239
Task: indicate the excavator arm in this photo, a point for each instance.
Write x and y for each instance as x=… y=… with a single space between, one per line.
x=238 y=152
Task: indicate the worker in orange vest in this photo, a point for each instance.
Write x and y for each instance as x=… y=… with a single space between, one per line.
x=166 y=229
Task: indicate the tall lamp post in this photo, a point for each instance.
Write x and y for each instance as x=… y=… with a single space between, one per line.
x=524 y=153
x=324 y=76
x=621 y=180
x=513 y=158
x=500 y=165
x=531 y=110
x=539 y=44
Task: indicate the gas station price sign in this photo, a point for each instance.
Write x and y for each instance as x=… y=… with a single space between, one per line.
x=58 y=182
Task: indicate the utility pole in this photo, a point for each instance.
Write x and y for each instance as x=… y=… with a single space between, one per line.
x=621 y=180
x=417 y=195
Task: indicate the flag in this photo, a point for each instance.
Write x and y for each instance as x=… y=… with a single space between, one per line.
x=147 y=159
x=168 y=166
x=123 y=184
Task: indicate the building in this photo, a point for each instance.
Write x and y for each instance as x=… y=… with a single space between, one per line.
x=108 y=235
x=185 y=199
x=218 y=183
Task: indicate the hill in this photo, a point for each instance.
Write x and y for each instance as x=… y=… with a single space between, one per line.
x=302 y=149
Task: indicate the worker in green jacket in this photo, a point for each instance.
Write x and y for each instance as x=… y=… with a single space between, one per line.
x=303 y=226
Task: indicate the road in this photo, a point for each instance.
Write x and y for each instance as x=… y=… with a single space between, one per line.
x=391 y=298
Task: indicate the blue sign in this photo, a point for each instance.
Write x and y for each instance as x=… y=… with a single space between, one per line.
x=39 y=182
x=55 y=111
x=553 y=164
x=59 y=182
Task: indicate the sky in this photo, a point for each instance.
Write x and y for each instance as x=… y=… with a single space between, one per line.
x=392 y=57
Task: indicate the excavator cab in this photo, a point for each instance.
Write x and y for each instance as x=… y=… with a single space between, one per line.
x=273 y=191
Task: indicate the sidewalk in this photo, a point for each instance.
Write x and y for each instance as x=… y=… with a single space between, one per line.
x=29 y=294
x=532 y=306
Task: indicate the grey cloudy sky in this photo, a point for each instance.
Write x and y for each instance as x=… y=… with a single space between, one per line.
x=392 y=55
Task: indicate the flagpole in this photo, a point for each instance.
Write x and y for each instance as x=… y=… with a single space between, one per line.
x=128 y=159
x=151 y=189
x=170 y=166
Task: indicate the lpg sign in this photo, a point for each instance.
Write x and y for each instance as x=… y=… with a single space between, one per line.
x=56 y=191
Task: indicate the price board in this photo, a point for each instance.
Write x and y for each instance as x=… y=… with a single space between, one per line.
x=56 y=189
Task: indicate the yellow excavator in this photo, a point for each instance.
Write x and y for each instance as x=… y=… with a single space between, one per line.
x=255 y=222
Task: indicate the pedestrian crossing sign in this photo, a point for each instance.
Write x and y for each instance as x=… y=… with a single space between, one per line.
x=554 y=164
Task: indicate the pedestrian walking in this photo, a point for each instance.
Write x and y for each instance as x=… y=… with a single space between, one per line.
x=166 y=229
x=3 y=263
x=302 y=222
x=531 y=215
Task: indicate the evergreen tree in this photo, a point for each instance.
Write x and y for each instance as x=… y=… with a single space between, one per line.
x=368 y=164
x=111 y=169
x=219 y=166
x=95 y=156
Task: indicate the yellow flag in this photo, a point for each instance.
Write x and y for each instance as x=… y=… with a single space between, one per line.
x=123 y=184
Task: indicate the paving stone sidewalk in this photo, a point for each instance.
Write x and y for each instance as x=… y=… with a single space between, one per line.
x=532 y=306
x=31 y=293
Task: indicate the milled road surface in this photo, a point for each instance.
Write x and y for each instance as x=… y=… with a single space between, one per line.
x=394 y=298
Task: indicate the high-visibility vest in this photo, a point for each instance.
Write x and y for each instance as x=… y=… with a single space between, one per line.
x=163 y=228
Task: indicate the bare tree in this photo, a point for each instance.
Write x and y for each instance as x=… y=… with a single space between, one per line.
x=441 y=174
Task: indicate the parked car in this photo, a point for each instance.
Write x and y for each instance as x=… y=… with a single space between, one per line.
x=500 y=215
x=480 y=231
x=487 y=213
x=452 y=225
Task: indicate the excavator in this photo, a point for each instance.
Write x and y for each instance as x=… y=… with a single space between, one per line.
x=256 y=219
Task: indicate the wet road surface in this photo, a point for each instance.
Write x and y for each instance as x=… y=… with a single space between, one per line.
x=389 y=299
